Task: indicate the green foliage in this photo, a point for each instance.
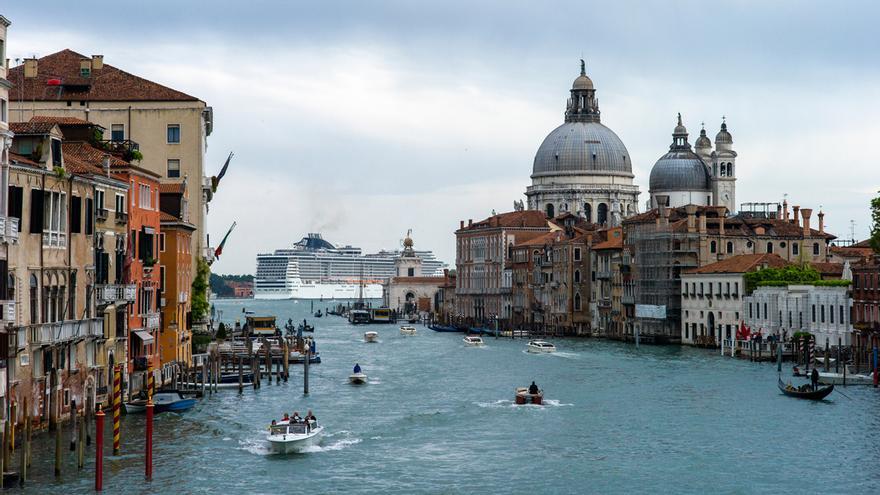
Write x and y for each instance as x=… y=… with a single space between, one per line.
x=199 y=294
x=817 y=283
x=792 y=274
x=875 y=224
x=97 y=136
x=800 y=335
x=219 y=287
x=221 y=331
x=132 y=155
x=200 y=343
x=59 y=172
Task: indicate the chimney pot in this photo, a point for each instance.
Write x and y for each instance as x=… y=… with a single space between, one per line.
x=821 y=222
x=461 y=224
x=785 y=209
x=806 y=212
x=797 y=219
x=97 y=62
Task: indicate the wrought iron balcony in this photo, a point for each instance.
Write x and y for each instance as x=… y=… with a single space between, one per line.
x=101 y=214
x=603 y=274
x=65 y=331
x=8 y=230
x=116 y=293
x=7 y=312
x=121 y=218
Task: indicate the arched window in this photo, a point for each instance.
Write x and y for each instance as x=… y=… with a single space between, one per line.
x=577 y=276
x=730 y=169
x=577 y=302
x=602 y=214
x=563 y=207
x=729 y=247
x=769 y=247
x=815 y=249
x=723 y=170
x=588 y=212
x=550 y=210
x=713 y=247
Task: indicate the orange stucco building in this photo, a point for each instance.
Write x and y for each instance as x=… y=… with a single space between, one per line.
x=176 y=270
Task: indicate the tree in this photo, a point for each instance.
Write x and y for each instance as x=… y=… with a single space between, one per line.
x=875 y=224
x=221 y=331
x=199 y=296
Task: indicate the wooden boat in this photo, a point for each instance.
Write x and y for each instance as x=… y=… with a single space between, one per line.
x=407 y=330
x=524 y=397
x=285 y=437
x=306 y=328
x=447 y=329
x=163 y=401
x=319 y=314
x=358 y=378
x=807 y=392
x=371 y=336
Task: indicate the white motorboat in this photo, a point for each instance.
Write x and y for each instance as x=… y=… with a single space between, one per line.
x=472 y=341
x=540 y=346
x=358 y=378
x=851 y=379
x=407 y=330
x=285 y=437
x=371 y=336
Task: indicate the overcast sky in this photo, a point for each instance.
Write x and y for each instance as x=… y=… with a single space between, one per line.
x=361 y=119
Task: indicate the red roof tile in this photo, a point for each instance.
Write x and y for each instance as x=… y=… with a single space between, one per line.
x=23 y=160
x=31 y=128
x=83 y=158
x=743 y=263
x=62 y=120
x=525 y=218
x=171 y=188
x=105 y=84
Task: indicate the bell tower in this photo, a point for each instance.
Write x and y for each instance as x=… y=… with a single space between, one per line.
x=724 y=169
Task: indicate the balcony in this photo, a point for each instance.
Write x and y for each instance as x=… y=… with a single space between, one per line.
x=150 y=321
x=627 y=299
x=604 y=303
x=8 y=230
x=65 y=331
x=101 y=214
x=603 y=274
x=7 y=312
x=121 y=218
x=116 y=293
x=125 y=147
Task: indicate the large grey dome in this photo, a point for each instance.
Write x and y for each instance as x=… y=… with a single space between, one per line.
x=680 y=170
x=582 y=148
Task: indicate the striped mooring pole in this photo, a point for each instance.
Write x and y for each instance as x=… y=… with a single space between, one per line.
x=150 y=382
x=117 y=405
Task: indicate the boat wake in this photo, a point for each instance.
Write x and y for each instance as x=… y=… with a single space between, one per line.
x=566 y=355
x=504 y=404
x=337 y=445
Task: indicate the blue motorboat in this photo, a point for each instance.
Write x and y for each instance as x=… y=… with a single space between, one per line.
x=448 y=329
x=163 y=401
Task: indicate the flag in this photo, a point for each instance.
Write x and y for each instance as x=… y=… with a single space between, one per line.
x=743 y=333
x=219 y=250
x=215 y=181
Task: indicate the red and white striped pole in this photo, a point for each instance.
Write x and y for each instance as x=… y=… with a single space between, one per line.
x=99 y=450
x=117 y=405
x=149 y=447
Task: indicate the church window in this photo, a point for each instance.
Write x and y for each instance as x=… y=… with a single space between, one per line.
x=588 y=212
x=722 y=169
x=602 y=214
x=769 y=247
x=815 y=249
x=729 y=247
x=713 y=247
x=794 y=248
x=577 y=276
x=550 y=210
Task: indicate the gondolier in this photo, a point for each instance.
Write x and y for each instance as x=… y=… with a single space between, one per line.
x=814 y=378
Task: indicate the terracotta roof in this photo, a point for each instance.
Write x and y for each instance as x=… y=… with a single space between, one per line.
x=614 y=240
x=171 y=188
x=23 y=160
x=83 y=158
x=829 y=269
x=525 y=218
x=543 y=239
x=105 y=84
x=167 y=217
x=742 y=264
x=62 y=120
x=31 y=128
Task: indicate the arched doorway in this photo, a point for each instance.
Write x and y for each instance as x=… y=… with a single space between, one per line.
x=550 y=210
x=409 y=306
x=711 y=323
x=602 y=214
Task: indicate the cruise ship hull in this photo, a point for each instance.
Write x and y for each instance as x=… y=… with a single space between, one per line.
x=321 y=291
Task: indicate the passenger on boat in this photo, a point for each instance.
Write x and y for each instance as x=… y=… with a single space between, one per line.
x=273 y=422
x=814 y=378
x=286 y=417
x=296 y=417
x=533 y=389
x=357 y=368
x=310 y=416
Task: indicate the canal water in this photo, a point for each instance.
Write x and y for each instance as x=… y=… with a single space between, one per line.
x=438 y=417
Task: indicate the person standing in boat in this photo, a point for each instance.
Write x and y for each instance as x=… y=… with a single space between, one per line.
x=814 y=378
x=533 y=389
x=357 y=368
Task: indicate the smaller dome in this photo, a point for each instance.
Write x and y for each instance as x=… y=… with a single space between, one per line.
x=703 y=141
x=679 y=171
x=723 y=136
x=582 y=82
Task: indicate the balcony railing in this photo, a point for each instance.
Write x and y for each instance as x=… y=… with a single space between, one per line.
x=603 y=274
x=7 y=312
x=8 y=230
x=627 y=299
x=65 y=331
x=101 y=214
x=54 y=239
x=150 y=321
x=116 y=293
x=121 y=218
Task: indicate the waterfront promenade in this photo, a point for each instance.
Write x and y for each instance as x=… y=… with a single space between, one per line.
x=437 y=417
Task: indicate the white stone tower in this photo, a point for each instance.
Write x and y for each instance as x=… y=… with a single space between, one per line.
x=724 y=169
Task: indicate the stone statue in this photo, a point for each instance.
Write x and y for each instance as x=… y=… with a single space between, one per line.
x=518 y=205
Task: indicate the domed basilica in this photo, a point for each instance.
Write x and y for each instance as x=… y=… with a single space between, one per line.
x=582 y=166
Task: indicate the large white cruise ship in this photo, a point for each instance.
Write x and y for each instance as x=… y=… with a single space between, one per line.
x=316 y=269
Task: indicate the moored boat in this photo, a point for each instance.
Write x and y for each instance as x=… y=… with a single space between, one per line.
x=524 y=397
x=540 y=346
x=407 y=330
x=285 y=437
x=447 y=329
x=371 y=336
x=358 y=378
x=163 y=401
x=805 y=391
x=831 y=378
x=472 y=341
x=318 y=314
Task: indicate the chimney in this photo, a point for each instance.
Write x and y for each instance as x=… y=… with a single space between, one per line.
x=461 y=224
x=691 y=211
x=703 y=223
x=796 y=219
x=721 y=225
x=778 y=210
x=85 y=67
x=105 y=164
x=470 y=221
x=821 y=222
x=806 y=213
x=30 y=68
x=97 y=62
x=785 y=209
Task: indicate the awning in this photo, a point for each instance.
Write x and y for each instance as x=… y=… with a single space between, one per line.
x=144 y=335
x=149 y=230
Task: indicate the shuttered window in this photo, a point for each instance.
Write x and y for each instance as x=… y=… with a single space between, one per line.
x=75 y=215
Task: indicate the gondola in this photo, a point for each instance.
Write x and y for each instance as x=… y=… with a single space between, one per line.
x=818 y=394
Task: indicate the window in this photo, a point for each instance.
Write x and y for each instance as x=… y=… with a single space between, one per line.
x=577 y=302
x=814 y=313
x=117 y=132
x=577 y=276
x=85 y=71
x=794 y=248
x=120 y=203
x=75 y=215
x=16 y=197
x=99 y=199
x=144 y=196
x=713 y=247
x=602 y=214
x=769 y=247
x=89 y=216
x=3 y=109
x=54 y=219
x=56 y=152
x=34 y=299
x=577 y=254
x=815 y=249
x=162 y=248
x=841 y=314
x=173 y=168
x=831 y=313
x=173 y=133
x=410 y=272
x=822 y=314
x=729 y=247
